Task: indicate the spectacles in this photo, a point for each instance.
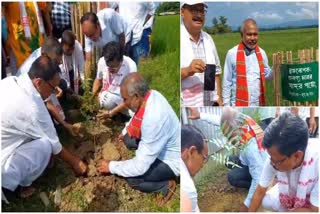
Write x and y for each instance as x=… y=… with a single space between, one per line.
x=195 y=11
x=51 y=86
x=278 y=163
x=205 y=158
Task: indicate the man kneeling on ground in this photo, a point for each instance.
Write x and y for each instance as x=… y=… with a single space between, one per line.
x=28 y=136
x=154 y=132
x=294 y=159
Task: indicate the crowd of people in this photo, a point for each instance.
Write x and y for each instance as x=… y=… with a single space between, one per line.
x=275 y=163
x=48 y=65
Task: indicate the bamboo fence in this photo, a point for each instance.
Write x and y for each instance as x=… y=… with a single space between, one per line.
x=303 y=56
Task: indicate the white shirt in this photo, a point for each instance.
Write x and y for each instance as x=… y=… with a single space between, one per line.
x=293 y=175
x=304 y=112
x=111 y=82
x=267 y=112
x=160 y=138
x=112 y=25
x=192 y=86
x=135 y=14
x=187 y=186
x=26 y=65
x=24 y=116
x=253 y=76
x=75 y=62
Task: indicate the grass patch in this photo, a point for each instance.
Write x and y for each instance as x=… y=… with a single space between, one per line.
x=271 y=42
x=162 y=68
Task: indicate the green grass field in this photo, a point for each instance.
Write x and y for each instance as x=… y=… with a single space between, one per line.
x=271 y=42
x=162 y=68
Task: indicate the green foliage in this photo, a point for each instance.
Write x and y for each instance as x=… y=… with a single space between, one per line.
x=271 y=42
x=162 y=71
x=231 y=145
x=219 y=26
x=89 y=104
x=168 y=7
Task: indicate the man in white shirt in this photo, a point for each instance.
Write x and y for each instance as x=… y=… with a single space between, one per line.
x=28 y=137
x=112 y=68
x=137 y=14
x=54 y=50
x=242 y=130
x=198 y=51
x=72 y=66
x=101 y=28
x=294 y=160
x=154 y=131
x=194 y=154
x=245 y=70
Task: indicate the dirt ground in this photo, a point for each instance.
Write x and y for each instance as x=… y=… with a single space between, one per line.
x=217 y=195
x=93 y=192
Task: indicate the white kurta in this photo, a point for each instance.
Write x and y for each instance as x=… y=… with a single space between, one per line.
x=109 y=95
x=112 y=25
x=25 y=124
x=75 y=62
x=25 y=67
x=135 y=14
x=271 y=200
x=160 y=138
x=192 y=86
x=188 y=187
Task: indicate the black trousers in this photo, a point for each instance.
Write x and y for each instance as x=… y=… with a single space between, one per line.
x=239 y=177
x=157 y=177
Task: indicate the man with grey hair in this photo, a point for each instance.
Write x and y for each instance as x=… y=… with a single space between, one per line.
x=200 y=65
x=154 y=132
x=241 y=130
x=245 y=70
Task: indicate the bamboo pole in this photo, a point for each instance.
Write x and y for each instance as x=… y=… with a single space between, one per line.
x=274 y=62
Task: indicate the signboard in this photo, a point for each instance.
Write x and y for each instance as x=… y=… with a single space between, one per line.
x=300 y=81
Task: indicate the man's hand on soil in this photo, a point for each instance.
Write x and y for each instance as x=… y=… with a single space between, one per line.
x=80 y=168
x=103 y=167
x=243 y=208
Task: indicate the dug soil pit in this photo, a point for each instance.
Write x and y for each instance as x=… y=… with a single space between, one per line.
x=219 y=196
x=96 y=192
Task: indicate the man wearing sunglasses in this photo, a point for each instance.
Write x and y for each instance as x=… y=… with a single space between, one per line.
x=294 y=160
x=112 y=68
x=197 y=51
x=28 y=136
x=194 y=154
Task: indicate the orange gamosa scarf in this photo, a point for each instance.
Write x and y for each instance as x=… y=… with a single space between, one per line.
x=134 y=128
x=251 y=129
x=242 y=95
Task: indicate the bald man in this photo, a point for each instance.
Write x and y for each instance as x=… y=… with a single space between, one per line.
x=245 y=70
x=154 y=132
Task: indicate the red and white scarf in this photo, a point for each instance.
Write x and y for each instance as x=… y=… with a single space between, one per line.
x=308 y=177
x=251 y=129
x=26 y=22
x=134 y=128
x=76 y=73
x=242 y=95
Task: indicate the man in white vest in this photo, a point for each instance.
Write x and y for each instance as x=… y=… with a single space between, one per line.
x=294 y=160
x=197 y=52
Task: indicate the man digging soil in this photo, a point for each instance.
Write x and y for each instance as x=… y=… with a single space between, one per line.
x=154 y=133
x=28 y=137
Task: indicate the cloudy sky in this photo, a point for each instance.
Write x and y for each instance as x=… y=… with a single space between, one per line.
x=265 y=13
